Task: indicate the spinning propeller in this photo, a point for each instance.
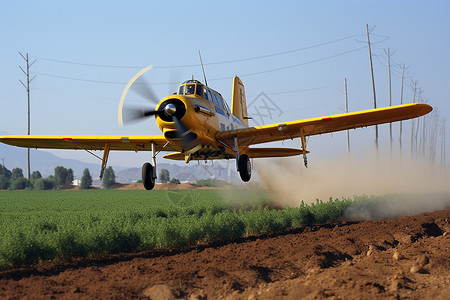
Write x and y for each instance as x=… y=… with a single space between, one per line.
x=171 y=110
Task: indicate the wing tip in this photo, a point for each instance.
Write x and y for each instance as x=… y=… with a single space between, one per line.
x=424 y=108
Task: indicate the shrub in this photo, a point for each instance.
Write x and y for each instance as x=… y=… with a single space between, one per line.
x=43 y=184
x=4 y=182
x=19 y=184
x=175 y=181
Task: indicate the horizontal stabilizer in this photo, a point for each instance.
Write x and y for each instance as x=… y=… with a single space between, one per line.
x=273 y=152
x=175 y=156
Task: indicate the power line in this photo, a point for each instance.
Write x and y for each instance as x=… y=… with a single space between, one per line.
x=85 y=80
x=302 y=64
x=215 y=79
x=197 y=65
x=248 y=96
x=294 y=91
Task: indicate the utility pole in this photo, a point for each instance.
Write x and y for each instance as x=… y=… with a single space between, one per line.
x=390 y=94
x=27 y=87
x=444 y=163
x=419 y=121
x=403 y=67
x=414 y=88
x=346 y=111
x=373 y=85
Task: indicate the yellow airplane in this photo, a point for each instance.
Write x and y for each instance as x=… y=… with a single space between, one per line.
x=197 y=124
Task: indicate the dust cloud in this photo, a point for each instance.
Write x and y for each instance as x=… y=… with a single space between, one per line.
x=407 y=183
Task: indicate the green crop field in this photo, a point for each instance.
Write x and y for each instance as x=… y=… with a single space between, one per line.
x=46 y=225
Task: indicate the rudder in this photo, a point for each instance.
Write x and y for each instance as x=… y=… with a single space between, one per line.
x=238 y=102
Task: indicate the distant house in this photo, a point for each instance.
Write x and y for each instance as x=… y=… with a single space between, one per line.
x=76 y=182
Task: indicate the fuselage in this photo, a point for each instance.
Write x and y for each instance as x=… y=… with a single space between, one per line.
x=204 y=112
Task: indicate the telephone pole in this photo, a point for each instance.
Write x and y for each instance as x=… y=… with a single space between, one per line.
x=414 y=88
x=373 y=85
x=27 y=87
x=388 y=53
x=403 y=67
x=346 y=111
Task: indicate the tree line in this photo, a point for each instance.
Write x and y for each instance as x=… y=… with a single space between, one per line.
x=164 y=177
x=14 y=179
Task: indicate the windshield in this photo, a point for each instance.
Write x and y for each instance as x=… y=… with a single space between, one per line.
x=181 y=90
x=190 y=89
x=199 y=90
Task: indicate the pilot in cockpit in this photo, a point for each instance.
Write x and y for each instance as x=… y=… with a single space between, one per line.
x=190 y=89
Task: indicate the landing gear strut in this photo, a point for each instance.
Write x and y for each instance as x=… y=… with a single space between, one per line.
x=302 y=137
x=149 y=171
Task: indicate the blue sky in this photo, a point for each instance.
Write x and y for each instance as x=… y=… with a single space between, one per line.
x=135 y=34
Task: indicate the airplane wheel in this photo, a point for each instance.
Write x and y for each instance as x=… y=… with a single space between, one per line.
x=147 y=176
x=245 y=167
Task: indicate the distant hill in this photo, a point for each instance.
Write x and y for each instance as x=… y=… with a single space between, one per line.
x=190 y=172
x=45 y=162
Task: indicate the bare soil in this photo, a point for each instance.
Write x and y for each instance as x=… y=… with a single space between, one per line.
x=402 y=258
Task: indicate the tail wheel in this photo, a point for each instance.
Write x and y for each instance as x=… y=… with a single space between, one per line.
x=147 y=176
x=245 y=167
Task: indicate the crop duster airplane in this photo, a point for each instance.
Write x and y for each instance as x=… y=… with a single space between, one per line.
x=197 y=124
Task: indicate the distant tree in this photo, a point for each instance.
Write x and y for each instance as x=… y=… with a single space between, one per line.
x=5 y=171
x=60 y=175
x=43 y=184
x=19 y=184
x=70 y=177
x=16 y=173
x=109 y=178
x=36 y=175
x=63 y=176
x=175 y=181
x=4 y=182
x=164 y=176
x=86 y=180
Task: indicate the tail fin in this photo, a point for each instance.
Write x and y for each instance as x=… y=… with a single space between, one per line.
x=238 y=102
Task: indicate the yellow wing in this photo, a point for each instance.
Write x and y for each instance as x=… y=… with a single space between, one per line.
x=327 y=124
x=126 y=143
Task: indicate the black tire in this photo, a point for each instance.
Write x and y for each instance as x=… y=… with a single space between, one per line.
x=147 y=176
x=245 y=167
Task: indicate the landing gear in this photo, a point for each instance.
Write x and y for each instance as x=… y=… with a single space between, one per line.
x=245 y=167
x=149 y=171
x=302 y=137
x=148 y=179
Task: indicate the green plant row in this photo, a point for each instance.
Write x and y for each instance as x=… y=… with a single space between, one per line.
x=48 y=225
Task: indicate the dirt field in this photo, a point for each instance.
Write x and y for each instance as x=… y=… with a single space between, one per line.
x=407 y=257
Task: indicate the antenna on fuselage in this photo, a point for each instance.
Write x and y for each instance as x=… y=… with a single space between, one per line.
x=201 y=62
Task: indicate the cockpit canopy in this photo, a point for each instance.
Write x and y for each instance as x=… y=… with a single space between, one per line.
x=196 y=88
